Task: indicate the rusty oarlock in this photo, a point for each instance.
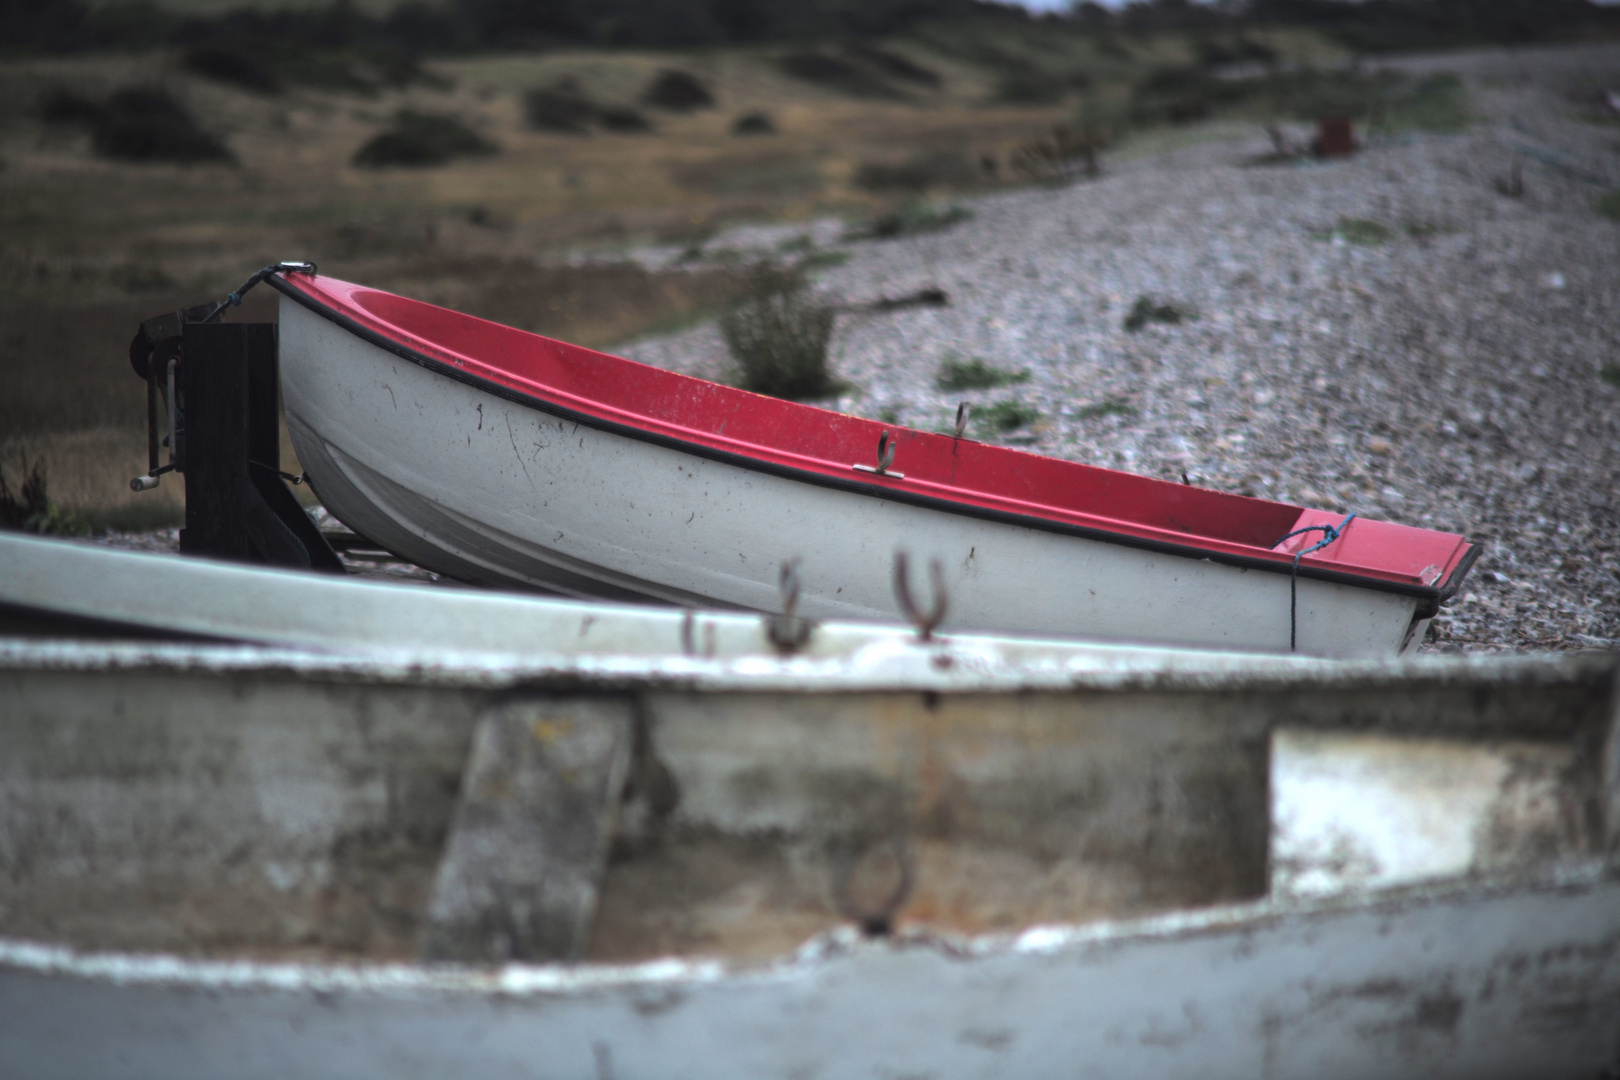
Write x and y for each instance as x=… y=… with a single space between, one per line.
x=928 y=621
x=787 y=632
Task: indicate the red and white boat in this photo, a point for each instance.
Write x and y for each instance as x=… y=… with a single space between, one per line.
x=499 y=456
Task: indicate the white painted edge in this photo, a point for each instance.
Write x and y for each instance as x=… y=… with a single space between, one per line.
x=944 y=665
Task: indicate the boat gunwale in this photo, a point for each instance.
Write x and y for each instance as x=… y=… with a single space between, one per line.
x=517 y=981
x=1110 y=669
x=1432 y=596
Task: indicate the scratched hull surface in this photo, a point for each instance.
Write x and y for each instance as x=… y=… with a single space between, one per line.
x=484 y=489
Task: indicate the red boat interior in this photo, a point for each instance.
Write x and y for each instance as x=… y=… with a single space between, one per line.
x=807 y=439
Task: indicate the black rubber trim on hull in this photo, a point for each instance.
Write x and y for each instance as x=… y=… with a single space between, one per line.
x=1431 y=596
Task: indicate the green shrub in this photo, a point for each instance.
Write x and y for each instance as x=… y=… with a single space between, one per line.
x=561 y=107
x=1438 y=103
x=894 y=65
x=822 y=260
x=1383 y=101
x=65 y=107
x=836 y=73
x=420 y=139
x=1002 y=417
x=913 y=219
x=1031 y=86
x=564 y=107
x=1180 y=95
x=1363 y=231
x=778 y=337
x=1146 y=310
x=937 y=168
x=234 y=66
x=754 y=123
x=1608 y=204
x=145 y=124
x=29 y=508
x=1109 y=407
x=1610 y=373
x=622 y=119
x=677 y=91
x=974 y=374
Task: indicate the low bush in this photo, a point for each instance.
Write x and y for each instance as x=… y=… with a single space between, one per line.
x=29 y=508
x=974 y=374
x=1002 y=417
x=146 y=124
x=822 y=260
x=422 y=139
x=754 y=123
x=836 y=73
x=1608 y=204
x=561 y=107
x=1215 y=52
x=1383 y=101
x=364 y=72
x=233 y=66
x=1438 y=103
x=1364 y=232
x=1031 y=86
x=65 y=107
x=622 y=119
x=565 y=108
x=914 y=219
x=1069 y=152
x=778 y=336
x=936 y=168
x=895 y=66
x=1109 y=407
x=1180 y=95
x=1146 y=310
x=677 y=91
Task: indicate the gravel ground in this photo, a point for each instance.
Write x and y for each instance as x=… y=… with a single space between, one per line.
x=1447 y=377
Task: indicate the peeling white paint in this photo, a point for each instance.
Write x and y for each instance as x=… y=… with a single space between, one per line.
x=1354 y=810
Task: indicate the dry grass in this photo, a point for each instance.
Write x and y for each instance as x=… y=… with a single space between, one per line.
x=89 y=472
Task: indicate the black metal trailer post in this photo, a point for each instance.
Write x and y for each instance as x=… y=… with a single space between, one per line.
x=221 y=383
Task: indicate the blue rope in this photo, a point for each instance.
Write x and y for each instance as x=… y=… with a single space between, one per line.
x=235 y=299
x=1332 y=533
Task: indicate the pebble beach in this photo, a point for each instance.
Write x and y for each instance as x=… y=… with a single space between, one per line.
x=1420 y=332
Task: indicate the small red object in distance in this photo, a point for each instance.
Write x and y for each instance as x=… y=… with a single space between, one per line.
x=1335 y=137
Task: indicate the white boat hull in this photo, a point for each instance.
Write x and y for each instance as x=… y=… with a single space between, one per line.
x=484 y=489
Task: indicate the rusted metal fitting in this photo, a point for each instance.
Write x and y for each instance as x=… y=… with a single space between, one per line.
x=787 y=632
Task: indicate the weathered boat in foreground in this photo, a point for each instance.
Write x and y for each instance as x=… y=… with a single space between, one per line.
x=51 y=587
x=498 y=456
x=227 y=861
